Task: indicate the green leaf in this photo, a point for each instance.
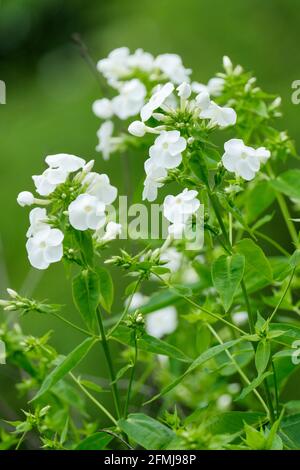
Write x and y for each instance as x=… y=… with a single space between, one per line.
x=290 y=431
x=85 y=242
x=199 y=167
x=254 y=384
x=106 y=288
x=97 y=441
x=91 y=386
x=86 y=294
x=232 y=422
x=65 y=366
x=227 y=273
x=256 y=262
x=262 y=356
x=150 y=344
x=147 y=432
x=258 y=200
x=288 y=183
x=122 y=371
x=204 y=357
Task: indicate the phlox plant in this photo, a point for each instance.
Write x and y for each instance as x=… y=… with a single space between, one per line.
x=207 y=339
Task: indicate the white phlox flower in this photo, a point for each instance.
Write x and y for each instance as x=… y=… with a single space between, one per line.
x=171 y=65
x=154 y=179
x=167 y=149
x=65 y=162
x=100 y=187
x=136 y=300
x=214 y=86
x=45 y=247
x=130 y=100
x=156 y=100
x=107 y=143
x=242 y=160
x=103 y=108
x=179 y=209
x=218 y=115
x=162 y=322
x=48 y=181
x=112 y=231
x=25 y=198
x=38 y=221
x=173 y=259
x=86 y=212
x=115 y=66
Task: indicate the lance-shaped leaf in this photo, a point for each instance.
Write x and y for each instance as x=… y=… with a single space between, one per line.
x=86 y=294
x=65 y=366
x=204 y=357
x=257 y=264
x=227 y=273
x=288 y=183
x=106 y=288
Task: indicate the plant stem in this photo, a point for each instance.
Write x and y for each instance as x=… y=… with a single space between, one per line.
x=106 y=350
x=272 y=242
x=275 y=388
x=93 y=399
x=131 y=376
x=190 y=301
x=249 y=311
x=282 y=297
x=78 y=328
x=239 y=370
x=125 y=310
x=286 y=215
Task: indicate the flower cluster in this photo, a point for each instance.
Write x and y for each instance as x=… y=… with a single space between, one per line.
x=75 y=197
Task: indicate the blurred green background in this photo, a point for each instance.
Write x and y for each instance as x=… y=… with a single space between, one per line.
x=50 y=90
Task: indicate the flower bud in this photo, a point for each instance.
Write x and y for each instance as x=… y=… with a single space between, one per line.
x=137 y=128
x=25 y=198
x=12 y=293
x=184 y=90
x=227 y=64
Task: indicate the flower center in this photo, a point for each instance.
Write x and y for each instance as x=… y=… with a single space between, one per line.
x=165 y=145
x=88 y=208
x=43 y=245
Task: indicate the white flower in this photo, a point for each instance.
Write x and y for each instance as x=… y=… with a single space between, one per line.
x=25 y=198
x=86 y=212
x=224 y=401
x=45 y=247
x=227 y=64
x=240 y=318
x=155 y=174
x=136 y=300
x=106 y=143
x=47 y=182
x=171 y=65
x=112 y=230
x=130 y=100
x=178 y=209
x=103 y=108
x=203 y=100
x=141 y=60
x=184 y=90
x=167 y=148
x=263 y=154
x=162 y=322
x=214 y=86
x=100 y=187
x=156 y=100
x=137 y=128
x=240 y=159
x=223 y=117
x=173 y=259
x=65 y=162
x=115 y=66
x=38 y=221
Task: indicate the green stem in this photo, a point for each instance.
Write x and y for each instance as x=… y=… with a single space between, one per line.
x=275 y=388
x=93 y=399
x=78 y=328
x=127 y=307
x=272 y=242
x=282 y=297
x=239 y=370
x=287 y=217
x=106 y=350
x=249 y=310
x=131 y=376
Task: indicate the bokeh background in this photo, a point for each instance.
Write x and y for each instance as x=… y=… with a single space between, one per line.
x=50 y=90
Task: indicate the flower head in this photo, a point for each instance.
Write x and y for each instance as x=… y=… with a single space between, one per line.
x=130 y=100
x=38 y=221
x=171 y=65
x=100 y=187
x=162 y=322
x=156 y=100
